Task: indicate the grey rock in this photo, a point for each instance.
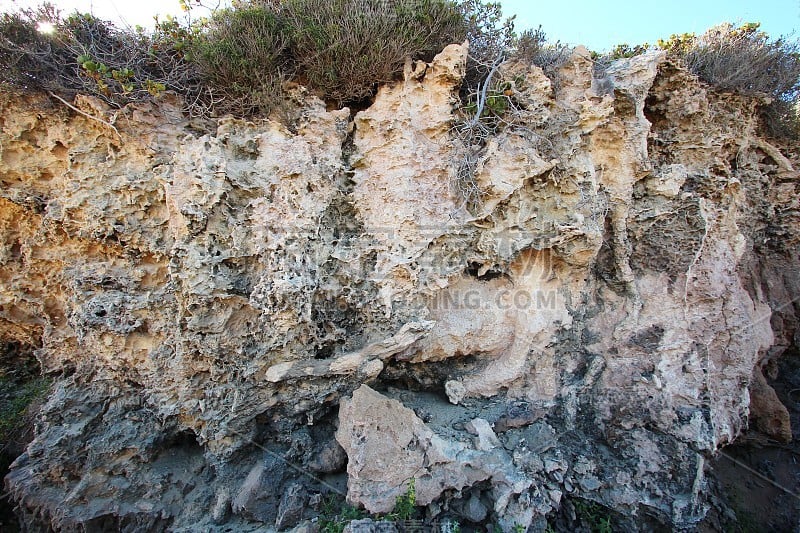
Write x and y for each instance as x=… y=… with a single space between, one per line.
x=305 y=526
x=473 y=509
x=222 y=507
x=293 y=504
x=330 y=458
x=590 y=483
x=518 y=414
x=540 y=437
x=486 y=439
x=387 y=444
x=250 y=490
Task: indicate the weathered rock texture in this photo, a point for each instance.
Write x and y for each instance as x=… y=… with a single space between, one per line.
x=209 y=302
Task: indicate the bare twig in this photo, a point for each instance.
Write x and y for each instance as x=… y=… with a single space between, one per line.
x=484 y=91
x=87 y=115
x=760 y=475
x=297 y=468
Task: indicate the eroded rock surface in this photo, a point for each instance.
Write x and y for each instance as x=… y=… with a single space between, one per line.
x=214 y=306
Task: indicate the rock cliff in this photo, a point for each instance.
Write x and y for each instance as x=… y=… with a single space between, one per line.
x=235 y=318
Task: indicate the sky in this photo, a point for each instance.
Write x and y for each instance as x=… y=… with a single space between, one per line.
x=600 y=25
x=597 y=24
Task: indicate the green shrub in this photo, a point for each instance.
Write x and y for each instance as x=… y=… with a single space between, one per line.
x=743 y=59
x=406 y=504
x=490 y=35
x=529 y=44
x=341 y=48
x=344 y=48
x=679 y=44
x=336 y=514
x=243 y=56
x=593 y=515
x=620 y=51
x=532 y=46
x=626 y=51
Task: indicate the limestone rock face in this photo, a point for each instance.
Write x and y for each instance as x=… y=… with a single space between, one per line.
x=223 y=312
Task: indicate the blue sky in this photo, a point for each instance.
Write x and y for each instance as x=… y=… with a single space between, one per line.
x=597 y=24
x=601 y=24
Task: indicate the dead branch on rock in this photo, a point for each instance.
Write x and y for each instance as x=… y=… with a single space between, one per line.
x=87 y=115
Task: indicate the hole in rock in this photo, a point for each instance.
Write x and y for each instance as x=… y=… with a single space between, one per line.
x=185 y=439
x=476 y=270
x=324 y=352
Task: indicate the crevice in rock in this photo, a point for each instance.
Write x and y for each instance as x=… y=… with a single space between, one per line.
x=606 y=264
x=185 y=440
x=483 y=272
x=429 y=376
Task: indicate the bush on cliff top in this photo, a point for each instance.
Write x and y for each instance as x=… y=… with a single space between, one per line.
x=742 y=59
x=235 y=60
x=340 y=48
x=346 y=47
x=238 y=59
x=243 y=57
x=83 y=54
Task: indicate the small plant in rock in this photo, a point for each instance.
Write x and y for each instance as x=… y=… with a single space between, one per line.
x=336 y=514
x=16 y=399
x=490 y=109
x=678 y=44
x=620 y=51
x=406 y=504
x=626 y=51
x=450 y=526
x=496 y=102
x=593 y=516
